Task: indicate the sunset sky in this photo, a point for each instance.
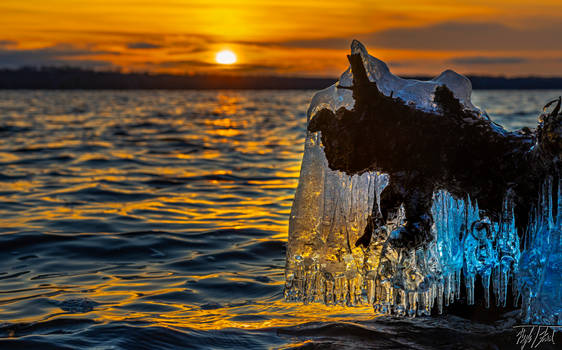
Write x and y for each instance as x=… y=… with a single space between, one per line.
x=284 y=37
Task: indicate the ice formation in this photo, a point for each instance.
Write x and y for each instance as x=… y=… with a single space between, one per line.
x=415 y=92
x=331 y=209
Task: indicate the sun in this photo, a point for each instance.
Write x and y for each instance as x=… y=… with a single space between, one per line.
x=226 y=57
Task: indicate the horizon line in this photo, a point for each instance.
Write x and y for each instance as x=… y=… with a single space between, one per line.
x=420 y=76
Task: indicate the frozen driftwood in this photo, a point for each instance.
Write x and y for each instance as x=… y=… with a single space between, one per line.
x=451 y=148
x=410 y=198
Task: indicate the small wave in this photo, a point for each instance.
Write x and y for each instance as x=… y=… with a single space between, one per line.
x=446 y=332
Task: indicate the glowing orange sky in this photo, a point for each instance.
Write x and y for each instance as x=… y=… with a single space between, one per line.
x=289 y=37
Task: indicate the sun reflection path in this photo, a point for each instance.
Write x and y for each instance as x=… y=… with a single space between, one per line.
x=169 y=208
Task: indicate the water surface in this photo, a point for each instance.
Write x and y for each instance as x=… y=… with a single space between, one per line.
x=158 y=220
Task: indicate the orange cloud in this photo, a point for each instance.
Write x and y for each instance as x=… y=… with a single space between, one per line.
x=290 y=37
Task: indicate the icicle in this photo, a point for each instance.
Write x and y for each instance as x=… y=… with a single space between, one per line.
x=330 y=213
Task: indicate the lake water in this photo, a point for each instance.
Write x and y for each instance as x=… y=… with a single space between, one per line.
x=158 y=220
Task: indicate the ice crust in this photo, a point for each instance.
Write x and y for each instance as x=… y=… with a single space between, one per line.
x=416 y=93
x=330 y=212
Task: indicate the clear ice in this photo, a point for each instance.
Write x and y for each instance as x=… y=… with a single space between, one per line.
x=330 y=212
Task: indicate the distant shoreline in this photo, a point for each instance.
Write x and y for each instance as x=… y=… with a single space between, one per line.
x=80 y=79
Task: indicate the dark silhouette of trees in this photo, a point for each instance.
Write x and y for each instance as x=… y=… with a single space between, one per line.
x=78 y=78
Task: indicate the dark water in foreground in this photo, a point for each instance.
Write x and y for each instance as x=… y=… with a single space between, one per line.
x=158 y=220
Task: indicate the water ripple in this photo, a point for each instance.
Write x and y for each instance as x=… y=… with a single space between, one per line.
x=157 y=220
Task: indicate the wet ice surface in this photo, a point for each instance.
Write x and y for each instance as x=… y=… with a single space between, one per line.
x=169 y=211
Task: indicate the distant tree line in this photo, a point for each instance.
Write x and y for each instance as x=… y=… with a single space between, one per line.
x=77 y=78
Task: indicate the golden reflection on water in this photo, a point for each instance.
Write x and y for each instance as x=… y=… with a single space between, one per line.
x=279 y=314
x=94 y=168
x=169 y=208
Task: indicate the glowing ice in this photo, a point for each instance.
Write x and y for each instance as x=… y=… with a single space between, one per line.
x=330 y=212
